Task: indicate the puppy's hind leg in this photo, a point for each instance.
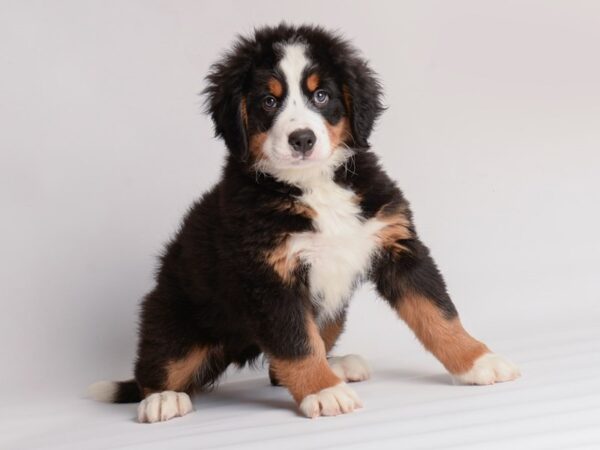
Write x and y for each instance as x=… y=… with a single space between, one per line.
x=167 y=388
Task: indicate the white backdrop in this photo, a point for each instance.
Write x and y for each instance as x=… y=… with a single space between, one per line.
x=492 y=131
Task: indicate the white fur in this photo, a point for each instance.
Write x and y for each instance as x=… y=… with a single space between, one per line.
x=350 y=367
x=103 y=391
x=163 y=406
x=339 y=252
x=489 y=369
x=339 y=399
x=295 y=114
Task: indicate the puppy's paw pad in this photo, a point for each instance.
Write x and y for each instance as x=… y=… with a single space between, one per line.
x=339 y=399
x=350 y=367
x=489 y=369
x=163 y=406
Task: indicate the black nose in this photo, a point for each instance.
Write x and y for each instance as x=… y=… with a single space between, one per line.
x=302 y=141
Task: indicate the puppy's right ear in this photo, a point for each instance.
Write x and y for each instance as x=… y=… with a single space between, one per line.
x=225 y=100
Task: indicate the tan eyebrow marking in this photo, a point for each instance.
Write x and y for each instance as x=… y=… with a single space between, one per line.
x=312 y=82
x=275 y=87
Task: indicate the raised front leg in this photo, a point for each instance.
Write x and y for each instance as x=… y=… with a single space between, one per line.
x=408 y=279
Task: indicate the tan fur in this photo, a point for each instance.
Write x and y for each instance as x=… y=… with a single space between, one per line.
x=279 y=258
x=312 y=82
x=256 y=145
x=275 y=87
x=331 y=331
x=244 y=113
x=307 y=375
x=180 y=373
x=297 y=208
x=282 y=262
x=147 y=391
x=397 y=228
x=347 y=99
x=338 y=133
x=456 y=349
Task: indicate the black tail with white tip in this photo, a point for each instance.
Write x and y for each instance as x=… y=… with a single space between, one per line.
x=115 y=391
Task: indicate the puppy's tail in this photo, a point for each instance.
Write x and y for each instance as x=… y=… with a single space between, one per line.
x=115 y=391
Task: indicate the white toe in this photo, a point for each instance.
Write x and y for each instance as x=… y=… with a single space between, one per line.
x=163 y=406
x=489 y=369
x=350 y=367
x=339 y=399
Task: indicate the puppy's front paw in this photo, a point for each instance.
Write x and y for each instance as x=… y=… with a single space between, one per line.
x=350 y=367
x=489 y=369
x=164 y=406
x=339 y=399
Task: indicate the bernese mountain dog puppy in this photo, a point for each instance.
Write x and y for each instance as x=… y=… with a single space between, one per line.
x=267 y=260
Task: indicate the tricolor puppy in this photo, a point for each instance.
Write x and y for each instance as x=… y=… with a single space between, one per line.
x=267 y=260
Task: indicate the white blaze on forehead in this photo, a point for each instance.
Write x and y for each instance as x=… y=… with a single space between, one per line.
x=293 y=64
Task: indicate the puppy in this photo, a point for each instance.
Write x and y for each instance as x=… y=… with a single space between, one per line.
x=267 y=260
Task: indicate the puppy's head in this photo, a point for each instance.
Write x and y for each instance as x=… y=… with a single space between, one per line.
x=293 y=98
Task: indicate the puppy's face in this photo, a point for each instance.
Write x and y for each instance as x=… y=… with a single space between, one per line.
x=295 y=112
x=293 y=99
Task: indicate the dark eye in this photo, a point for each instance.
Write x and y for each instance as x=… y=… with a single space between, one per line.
x=320 y=97
x=269 y=103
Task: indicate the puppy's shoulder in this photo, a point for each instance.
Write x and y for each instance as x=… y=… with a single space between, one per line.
x=373 y=186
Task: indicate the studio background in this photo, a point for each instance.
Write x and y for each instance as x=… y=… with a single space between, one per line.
x=492 y=131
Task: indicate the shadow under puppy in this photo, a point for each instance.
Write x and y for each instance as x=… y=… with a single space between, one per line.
x=267 y=260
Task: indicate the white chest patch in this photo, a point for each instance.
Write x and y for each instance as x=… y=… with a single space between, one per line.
x=340 y=250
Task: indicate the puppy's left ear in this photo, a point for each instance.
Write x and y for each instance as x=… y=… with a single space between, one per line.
x=363 y=99
x=225 y=101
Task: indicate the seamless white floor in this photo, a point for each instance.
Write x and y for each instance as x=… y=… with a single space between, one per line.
x=409 y=403
x=492 y=131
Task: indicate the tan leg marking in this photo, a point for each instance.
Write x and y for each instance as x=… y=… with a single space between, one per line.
x=331 y=332
x=180 y=373
x=307 y=375
x=456 y=349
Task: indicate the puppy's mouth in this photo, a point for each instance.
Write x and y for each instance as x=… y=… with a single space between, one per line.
x=296 y=159
x=299 y=158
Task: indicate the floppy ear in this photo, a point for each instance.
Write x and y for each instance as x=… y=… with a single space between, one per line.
x=225 y=101
x=362 y=97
